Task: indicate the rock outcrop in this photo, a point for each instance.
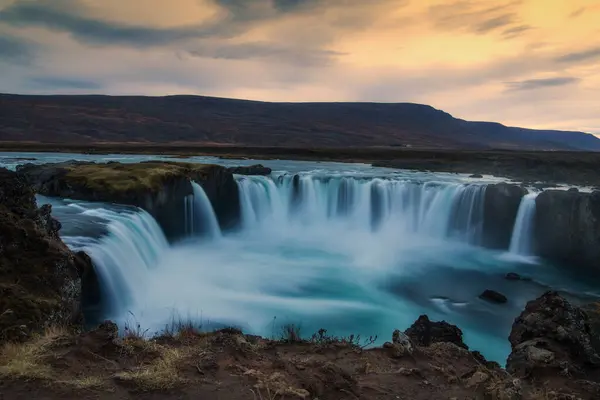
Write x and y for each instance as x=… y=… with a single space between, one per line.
x=501 y=205
x=552 y=338
x=425 y=332
x=40 y=278
x=158 y=187
x=567 y=228
x=257 y=169
x=493 y=296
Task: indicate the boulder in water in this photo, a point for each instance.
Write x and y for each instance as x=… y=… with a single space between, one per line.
x=493 y=296
x=513 y=276
x=425 y=332
x=476 y=176
x=551 y=335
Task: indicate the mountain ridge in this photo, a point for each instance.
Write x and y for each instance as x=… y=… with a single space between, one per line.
x=212 y=120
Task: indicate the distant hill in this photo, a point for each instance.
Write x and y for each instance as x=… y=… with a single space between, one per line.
x=209 y=120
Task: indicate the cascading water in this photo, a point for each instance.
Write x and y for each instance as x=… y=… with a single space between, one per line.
x=433 y=209
x=200 y=218
x=520 y=242
x=124 y=257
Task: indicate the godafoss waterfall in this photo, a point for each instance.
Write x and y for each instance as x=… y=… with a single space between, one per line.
x=346 y=247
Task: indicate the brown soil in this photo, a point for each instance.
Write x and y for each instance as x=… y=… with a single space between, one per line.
x=229 y=365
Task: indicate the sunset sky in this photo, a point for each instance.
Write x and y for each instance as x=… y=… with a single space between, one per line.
x=533 y=63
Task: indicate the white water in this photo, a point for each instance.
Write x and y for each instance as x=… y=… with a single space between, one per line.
x=200 y=218
x=356 y=250
x=520 y=242
x=125 y=257
x=435 y=210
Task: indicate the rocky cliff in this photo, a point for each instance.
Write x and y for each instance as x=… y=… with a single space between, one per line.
x=40 y=278
x=567 y=228
x=501 y=205
x=158 y=187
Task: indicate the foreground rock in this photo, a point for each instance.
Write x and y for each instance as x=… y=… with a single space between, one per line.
x=158 y=187
x=553 y=338
x=567 y=228
x=425 y=332
x=501 y=205
x=40 y=278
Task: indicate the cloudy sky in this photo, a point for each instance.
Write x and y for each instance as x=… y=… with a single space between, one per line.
x=533 y=63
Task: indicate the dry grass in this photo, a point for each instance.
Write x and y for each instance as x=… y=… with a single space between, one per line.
x=86 y=382
x=26 y=360
x=117 y=177
x=161 y=374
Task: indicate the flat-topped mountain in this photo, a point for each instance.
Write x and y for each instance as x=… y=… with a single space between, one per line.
x=91 y=119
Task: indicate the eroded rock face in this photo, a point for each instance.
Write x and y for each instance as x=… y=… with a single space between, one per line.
x=40 y=278
x=425 y=332
x=158 y=187
x=567 y=228
x=257 y=169
x=501 y=205
x=552 y=336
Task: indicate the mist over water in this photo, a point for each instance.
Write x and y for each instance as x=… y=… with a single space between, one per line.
x=342 y=247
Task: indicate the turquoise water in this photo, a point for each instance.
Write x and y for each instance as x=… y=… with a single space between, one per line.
x=317 y=260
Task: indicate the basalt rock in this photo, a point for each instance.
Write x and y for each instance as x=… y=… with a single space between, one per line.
x=550 y=337
x=567 y=228
x=40 y=278
x=493 y=296
x=157 y=187
x=501 y=205
x=425 y=332
x=257 y=169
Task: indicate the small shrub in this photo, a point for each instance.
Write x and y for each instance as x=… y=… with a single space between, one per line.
x=322 y=338
x=290 y=333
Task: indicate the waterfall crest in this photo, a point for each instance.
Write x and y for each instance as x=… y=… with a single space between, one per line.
x=435 y=209
x=520 y=242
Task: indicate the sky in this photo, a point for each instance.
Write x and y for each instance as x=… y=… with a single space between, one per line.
x=531 y=63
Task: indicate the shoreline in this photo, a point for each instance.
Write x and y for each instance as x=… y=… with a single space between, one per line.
x=527 y=167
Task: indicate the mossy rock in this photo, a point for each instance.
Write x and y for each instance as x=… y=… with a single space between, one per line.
x=40 y=281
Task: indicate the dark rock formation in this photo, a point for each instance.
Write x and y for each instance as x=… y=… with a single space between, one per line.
x=552 y=337
x=567 y=228
x=425 y=332
x=502 y=202
x=257 y=169
x=513 y=276
x=476 y=176
x=40 y=278
x=493 y=296
x=158 y=187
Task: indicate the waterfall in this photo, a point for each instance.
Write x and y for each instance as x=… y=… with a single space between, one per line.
x=200 y=218
x=520 y=242
x=133 y=246
x=434 y=209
